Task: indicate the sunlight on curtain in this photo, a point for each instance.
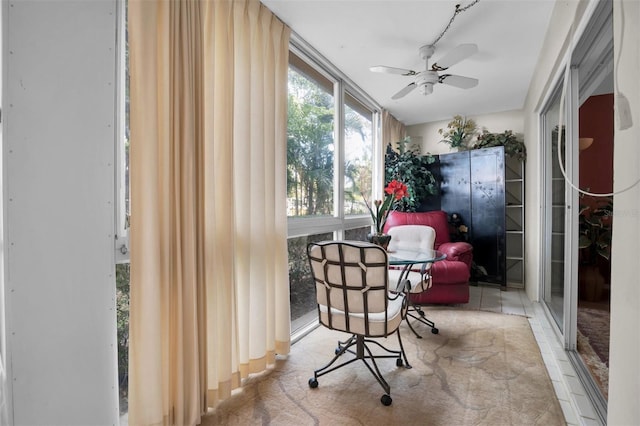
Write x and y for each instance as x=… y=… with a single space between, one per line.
x=392 y=130
x=209 y=276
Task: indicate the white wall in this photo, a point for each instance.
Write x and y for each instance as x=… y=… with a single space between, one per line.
x=427 y=137
x=624 y=373
x=58 y=166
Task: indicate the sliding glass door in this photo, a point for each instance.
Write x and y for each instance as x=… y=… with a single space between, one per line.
x=577 y=208
x=554 y=209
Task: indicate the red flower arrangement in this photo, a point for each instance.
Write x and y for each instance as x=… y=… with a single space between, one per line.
x=394 y=191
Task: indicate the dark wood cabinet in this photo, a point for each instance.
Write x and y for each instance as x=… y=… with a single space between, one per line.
x=473 y=186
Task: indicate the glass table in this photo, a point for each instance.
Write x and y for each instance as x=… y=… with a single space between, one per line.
x=411 y=257
x=408 y=259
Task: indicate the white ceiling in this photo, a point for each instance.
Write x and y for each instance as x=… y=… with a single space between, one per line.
x=357 y=34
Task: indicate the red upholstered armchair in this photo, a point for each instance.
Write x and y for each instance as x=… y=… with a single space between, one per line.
x=450 y=276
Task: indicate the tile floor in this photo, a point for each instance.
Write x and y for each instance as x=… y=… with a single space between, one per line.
x=577 y=407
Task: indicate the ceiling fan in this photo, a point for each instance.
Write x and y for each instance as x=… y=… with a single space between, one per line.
x=427 y=78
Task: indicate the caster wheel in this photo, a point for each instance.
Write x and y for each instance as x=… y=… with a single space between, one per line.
x=337 y=351
x=386 y=400
x=313 y=383
x=399 y=362
x=421 y=313
x=435 y=330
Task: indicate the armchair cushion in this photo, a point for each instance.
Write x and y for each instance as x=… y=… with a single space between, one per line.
x=435 y=219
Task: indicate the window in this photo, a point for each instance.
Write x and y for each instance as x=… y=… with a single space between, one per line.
x=122 y=207
x=358 y=155
x=310 y=143
x=331 y=152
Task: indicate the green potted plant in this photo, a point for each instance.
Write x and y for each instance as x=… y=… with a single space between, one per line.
x=595 y=248
x=412 y=169
x=595 y=230
x=513 y=146
x=459 y=132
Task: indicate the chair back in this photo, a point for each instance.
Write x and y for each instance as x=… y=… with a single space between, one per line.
x=351 y=286
x=436 y=219
x=411 y=237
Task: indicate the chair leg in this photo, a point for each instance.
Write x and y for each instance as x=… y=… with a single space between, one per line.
x=421 y=318
x=340 y=350
x=404 y=354
x=362 y=352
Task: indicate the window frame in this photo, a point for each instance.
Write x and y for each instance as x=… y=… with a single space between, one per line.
x=121 y=224
x=343 y=87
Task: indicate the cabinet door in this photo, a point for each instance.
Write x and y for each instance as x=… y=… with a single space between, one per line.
x=488 y=212
x=455 y=189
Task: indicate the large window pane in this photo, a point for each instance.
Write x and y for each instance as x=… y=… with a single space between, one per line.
x=358 y=156
x=302 y=292
x=357 y=234
x=310 y=145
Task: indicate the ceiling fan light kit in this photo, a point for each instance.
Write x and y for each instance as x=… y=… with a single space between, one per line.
x=427 y=78
x=427 y=89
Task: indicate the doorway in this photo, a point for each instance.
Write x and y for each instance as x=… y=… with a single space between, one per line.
x=578 y=152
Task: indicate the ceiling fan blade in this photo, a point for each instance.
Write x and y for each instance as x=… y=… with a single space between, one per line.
x=461 y=52
x=392 y=70
x=458 y=81
x=404 y=91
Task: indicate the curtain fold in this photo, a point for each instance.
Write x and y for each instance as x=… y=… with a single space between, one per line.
x=209 y=275
x=392 y=130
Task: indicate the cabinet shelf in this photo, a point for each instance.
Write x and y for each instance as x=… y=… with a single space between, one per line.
x=514 y=241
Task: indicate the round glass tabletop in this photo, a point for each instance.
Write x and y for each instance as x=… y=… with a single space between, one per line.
x=408 y=257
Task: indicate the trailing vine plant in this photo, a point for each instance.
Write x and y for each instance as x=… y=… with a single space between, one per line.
x=409 y=167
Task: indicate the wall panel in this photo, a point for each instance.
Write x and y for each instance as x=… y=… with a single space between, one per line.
x=59 y=112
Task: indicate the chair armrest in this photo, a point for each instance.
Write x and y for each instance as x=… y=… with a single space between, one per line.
x=460 y=251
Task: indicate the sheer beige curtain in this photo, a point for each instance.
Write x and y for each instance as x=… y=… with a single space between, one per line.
x=209 y=278
x=392 y=130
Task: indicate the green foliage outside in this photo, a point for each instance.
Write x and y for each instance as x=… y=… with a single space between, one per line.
x=310 y=152
x=302 y=294
x=122 y=318
x=412 y=169
x=309 y=147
